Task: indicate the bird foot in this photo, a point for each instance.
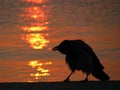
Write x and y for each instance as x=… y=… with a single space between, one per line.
x=67 y=80
x=86 y=80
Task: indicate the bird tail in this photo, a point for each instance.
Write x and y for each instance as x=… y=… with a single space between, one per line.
x=100 y=74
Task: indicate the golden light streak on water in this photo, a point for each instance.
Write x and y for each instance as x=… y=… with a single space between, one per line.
x=47 y=63
x=36 y=41
x=33 y=64
x=35 y=12
x=39 y=71
x=34 y=28
x=37 y=22
x=36 y=1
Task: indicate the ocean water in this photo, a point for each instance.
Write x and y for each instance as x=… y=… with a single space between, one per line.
x=29 y=29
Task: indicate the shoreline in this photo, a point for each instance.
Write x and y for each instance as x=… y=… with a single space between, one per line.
x=73 y=85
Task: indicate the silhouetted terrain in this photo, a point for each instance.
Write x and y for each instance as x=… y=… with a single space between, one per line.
x=90 y=85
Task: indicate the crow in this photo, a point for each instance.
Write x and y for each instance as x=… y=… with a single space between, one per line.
x=80 y=56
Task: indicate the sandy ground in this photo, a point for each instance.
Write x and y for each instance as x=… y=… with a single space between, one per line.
x=91 y=85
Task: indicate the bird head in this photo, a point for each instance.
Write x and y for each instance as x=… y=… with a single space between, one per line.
x=62 y=47
x=55 y=48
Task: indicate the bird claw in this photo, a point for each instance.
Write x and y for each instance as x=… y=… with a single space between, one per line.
x=86 y=80
x=67 y=80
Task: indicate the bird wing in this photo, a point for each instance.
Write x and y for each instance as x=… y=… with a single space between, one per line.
x=78 y=45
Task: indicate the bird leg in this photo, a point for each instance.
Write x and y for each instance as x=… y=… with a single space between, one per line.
x=67 y=79
x=86 y=79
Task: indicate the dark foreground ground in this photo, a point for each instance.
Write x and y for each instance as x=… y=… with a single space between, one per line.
x=91 y=85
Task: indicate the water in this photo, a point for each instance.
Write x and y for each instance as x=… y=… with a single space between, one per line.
x=30 y=28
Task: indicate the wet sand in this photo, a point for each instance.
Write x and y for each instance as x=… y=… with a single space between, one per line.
x=91 y=85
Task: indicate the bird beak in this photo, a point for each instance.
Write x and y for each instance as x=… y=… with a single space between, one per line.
x=55 y=48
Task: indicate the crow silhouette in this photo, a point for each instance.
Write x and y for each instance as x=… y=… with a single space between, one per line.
x=80 y=56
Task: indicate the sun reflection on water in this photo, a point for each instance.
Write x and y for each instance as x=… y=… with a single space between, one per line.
x=36 y=12
x=34 y=28
x=36 y=41
x=39 y=70
x=36 y=1
x=36 y=21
